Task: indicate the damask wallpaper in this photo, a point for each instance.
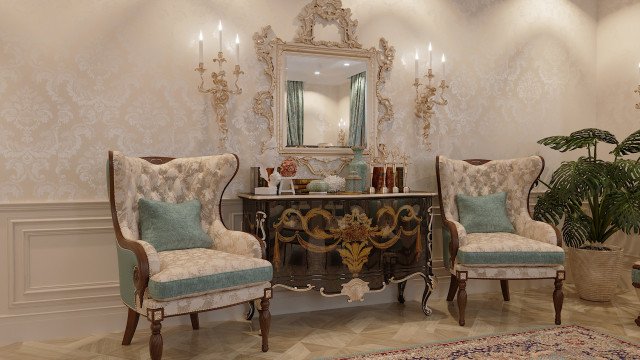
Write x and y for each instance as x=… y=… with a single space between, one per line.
x=78 y=78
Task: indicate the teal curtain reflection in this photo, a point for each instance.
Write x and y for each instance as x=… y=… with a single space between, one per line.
x=357 y=136
x=295 y=113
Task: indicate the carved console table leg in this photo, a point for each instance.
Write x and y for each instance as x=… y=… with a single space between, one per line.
x=401 y=286
x=428 y=288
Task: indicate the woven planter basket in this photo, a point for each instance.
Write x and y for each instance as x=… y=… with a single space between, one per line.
x=595 y=272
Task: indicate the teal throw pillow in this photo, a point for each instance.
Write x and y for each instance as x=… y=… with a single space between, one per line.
x=169 y=226
x=484 y=214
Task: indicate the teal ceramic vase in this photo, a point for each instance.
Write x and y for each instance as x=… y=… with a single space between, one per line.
x=360 y=167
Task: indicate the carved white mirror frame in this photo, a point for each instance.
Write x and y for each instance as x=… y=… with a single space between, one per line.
x=270 y=51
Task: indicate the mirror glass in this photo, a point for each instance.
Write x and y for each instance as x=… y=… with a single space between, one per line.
x=325 y=101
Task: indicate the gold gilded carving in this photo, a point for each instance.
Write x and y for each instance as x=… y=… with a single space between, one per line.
x=638 y=92
x=354 y=290
x=330 y=11
x=426 y=101
x=220 y=92
x=353 y=236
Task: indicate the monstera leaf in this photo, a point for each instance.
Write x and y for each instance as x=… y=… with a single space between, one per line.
x=576 y=229
x=630 y=145
x=594 y=198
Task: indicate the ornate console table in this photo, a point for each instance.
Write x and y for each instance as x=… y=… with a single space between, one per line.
x=344 y=244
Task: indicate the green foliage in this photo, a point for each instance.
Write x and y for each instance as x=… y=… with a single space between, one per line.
x=610 y=188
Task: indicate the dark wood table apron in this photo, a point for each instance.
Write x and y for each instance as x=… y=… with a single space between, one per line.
x=345 y=245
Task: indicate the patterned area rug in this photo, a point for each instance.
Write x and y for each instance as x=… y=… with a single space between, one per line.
x=563 y=342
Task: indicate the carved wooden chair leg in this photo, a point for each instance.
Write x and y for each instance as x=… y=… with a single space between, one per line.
x=155 y=341
x=265 y=322
x=462 y=296
x=638 y=320
x=195 y=322
x=453 y=287
x=252 y=310
x=132 y=323
x=558 y=296
x=504 y=285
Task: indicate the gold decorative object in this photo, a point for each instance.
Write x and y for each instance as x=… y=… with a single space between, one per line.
x=220 y=91
x=354 y=290
x=352 y=235
x=270 y=49
x=427 y=99
x=638 y=92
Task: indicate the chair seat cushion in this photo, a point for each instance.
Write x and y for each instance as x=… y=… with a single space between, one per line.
x=192 y=272
x=500 y=249
x=635 y=273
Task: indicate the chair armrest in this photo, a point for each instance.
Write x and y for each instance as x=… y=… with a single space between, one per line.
x=143 y=253
x=537 y=230
x=236 y=242
x=152 y=257
x=457 y=231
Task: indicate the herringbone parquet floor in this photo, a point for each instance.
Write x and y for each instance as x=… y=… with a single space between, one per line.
x=347 y=331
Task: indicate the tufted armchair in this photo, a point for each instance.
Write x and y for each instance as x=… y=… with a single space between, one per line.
x=533 y=252
x=160 y=284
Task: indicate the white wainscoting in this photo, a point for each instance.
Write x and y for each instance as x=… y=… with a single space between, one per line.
x=59 y=276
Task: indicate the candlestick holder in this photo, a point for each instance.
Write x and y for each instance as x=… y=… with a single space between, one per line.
x=638 y=92
x=341 y=137
x=220 y=91
x=426 y=100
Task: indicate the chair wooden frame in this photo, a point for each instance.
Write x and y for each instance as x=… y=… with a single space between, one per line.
x=141 y=277
x=459 y=280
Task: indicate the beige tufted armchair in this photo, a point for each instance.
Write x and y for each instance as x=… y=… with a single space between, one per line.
x=533 y=252
x=160 y=284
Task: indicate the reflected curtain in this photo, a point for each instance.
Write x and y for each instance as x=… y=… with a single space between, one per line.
x=295 y=113
x=358 y=110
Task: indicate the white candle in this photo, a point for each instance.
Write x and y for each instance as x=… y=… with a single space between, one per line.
x=444 y=59
x=200 y=49
x=430 y=56
x=237 y=49
x=416 y=65
x=220 y=36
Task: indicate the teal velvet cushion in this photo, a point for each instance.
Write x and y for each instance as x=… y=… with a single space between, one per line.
x=484 y=214
x=169 y=226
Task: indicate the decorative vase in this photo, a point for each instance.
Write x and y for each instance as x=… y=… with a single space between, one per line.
x=596 y=272
x=353 y=183
x=360 y=167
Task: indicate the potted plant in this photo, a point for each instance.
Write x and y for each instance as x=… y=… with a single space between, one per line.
x=593 y=198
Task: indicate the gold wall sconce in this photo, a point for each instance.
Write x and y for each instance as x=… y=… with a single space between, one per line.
x=220 y=91
x=427 y=94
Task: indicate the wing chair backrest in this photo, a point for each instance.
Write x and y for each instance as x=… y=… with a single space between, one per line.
x=171 y=180
x=516 y=177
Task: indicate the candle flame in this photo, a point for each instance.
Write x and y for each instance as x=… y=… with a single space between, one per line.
x=444 y=58
x=220 y=25
x=417 y=58
x=237 y=39
x=200 y=37
x=430 y=48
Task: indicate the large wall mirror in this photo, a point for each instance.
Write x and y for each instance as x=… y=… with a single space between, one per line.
x=325 y=97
